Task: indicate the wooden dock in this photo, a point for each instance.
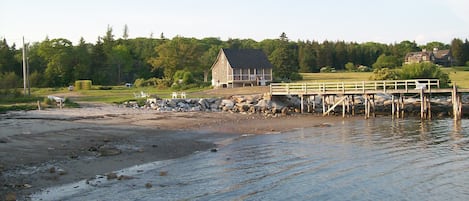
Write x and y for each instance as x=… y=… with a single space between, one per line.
x=368 y=89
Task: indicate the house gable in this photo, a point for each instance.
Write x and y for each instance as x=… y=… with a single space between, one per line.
x=240 y=67
x=247 y=58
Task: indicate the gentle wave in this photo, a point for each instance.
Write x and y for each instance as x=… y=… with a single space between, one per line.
x=375 y=159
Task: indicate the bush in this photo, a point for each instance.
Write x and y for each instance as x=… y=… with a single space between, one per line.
x=139 y=82
x=350 y=66
x=384 y=74
x=9 y=80
x=467 y=63
x=424 y=71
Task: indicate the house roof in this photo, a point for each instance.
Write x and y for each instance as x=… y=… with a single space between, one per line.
x=441 y=53
x=247 y=58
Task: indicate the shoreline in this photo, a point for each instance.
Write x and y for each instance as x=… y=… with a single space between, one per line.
x=40 y=149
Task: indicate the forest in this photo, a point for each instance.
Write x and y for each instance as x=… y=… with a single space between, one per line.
x=115 y=60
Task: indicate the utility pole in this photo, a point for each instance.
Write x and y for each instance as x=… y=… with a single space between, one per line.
x=25 y=71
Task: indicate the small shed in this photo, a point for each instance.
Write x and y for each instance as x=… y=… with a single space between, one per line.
x=241 y=67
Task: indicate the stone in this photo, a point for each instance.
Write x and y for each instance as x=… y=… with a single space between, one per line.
x=111 y=176
x=148 y=185
x=108 y=151
x=10 y=196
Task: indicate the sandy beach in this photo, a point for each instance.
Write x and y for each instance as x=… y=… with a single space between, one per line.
x=39 y=149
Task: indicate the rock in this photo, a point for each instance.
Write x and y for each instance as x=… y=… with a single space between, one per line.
x=108 y=151
x=163 y=173
x=111 y=176
x=148 y=185
x=227 y=103
x=284 y=111
x=4 y=140
x=10 y=196
x=124 y=177
x=213 y=150
x=204 y=104
x=52 y=170
x=61 y=171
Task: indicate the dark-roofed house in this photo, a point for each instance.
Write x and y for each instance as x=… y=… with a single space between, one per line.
x=441 y=57
x=241 y=67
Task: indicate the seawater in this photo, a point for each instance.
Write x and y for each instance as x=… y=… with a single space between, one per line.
x=374 y=159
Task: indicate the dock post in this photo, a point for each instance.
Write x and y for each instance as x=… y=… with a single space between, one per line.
x=456 y=103
x=392 y=106
x=402 y=105
x=366 y=107
x=343 y=107
x=302 y=104
x=314 y=103
x=323 y=105
x=422 y=104
x=429 y=107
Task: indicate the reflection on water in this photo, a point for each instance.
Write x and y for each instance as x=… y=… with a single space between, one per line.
x=375 y=159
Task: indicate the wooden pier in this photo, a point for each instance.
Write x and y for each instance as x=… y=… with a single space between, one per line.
x=346 y=91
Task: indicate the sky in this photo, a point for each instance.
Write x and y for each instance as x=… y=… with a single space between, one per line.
x=383 y=21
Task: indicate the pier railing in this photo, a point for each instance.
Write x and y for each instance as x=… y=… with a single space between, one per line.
x=380 y=86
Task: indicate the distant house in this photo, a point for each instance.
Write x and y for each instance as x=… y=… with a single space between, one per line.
x=441 y=57
x=241 y=67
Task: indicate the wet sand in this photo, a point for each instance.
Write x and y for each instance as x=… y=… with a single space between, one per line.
x=39 y=149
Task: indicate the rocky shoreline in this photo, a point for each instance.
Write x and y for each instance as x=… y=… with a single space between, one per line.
x=286 y=105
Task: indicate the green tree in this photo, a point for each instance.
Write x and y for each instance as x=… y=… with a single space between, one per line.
x=58 y=55
x=125 y=35
x=177 y=54
x=122 y=60
x=82 y=66
x=306 y=57
x=457 y=50
x=8 y=62
x=384 y=61
x=284 y=60
x=435 y=45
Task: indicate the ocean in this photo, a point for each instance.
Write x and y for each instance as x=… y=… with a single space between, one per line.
x=350 y=159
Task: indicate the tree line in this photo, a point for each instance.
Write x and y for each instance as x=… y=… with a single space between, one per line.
x=113 y=61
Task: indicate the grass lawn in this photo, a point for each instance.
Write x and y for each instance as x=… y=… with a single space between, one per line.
x=458 y=75
x=119 y=94
x=116 y=94
x=336 y=77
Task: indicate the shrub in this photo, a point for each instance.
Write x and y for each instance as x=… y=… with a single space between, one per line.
x=139 y=82
x=350 y=66
x=424 y=71
x=384 y=74
x=9 y=80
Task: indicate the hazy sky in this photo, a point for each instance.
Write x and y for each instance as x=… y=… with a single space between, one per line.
x=349 y=20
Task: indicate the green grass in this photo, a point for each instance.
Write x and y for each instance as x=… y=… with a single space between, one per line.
x=458 y=75
x=336 y=77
